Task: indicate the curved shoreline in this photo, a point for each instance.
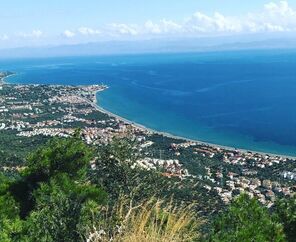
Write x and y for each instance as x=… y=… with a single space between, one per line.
x=3 y=79
x=166 y=134
x=96 y=105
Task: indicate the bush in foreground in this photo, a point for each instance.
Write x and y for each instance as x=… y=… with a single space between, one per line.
x=152 y=221
x=51 y=198
x=286 y=211
x=56 y=198
x=246 y=220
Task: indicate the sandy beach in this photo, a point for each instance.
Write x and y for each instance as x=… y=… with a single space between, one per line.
x=97 y=106
x=3 y=81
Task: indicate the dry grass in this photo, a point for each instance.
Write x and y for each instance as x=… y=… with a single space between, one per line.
x=152 y=221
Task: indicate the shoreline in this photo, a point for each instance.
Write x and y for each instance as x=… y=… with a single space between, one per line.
x=3 y=81
x=166 y=134
x=95 y=104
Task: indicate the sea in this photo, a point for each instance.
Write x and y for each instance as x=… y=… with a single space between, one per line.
x=241 y=99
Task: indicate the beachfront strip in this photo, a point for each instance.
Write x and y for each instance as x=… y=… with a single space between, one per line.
x=31 y=114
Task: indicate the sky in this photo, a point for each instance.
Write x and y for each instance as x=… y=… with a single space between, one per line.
x=59 y=22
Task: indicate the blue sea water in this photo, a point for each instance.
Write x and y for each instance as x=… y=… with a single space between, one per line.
x=243 y=99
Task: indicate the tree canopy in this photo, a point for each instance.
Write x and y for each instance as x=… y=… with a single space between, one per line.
x=246 y=220
x=52 y=195
x=286 y=211
x=69 y=191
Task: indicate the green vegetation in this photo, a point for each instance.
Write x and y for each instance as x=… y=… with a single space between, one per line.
x=58 y=197
x=19 y=147
x=52 y=195
x=68 y=191
x=153 y=221
x=286 y=211
x=246 y=220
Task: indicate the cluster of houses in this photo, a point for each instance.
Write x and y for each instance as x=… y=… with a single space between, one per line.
x=229 y=185
x=264 y=190
x=58 y=110
x=170 y=168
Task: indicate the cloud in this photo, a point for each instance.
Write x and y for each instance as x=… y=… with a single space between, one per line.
x=68 y=34
x=152 y=27
x=88 y=31
x=275 y=16
x=4 y=37
x=163 y=27
x=124 y=29
x=218 y=23
x=281 y=9
x=169 y=26
x=84 y=31
x=35 y=34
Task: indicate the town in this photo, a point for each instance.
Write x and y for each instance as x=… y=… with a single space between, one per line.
x=31 y=114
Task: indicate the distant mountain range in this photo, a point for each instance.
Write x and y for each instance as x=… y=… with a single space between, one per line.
x=155 y=46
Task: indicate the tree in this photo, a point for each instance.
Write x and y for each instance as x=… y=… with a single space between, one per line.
x=61 y=205
x=286 y=211
x=10 y=223
x=114 y=164
x=58 y=156
x=51 y=199
x=246 y=220
x=116 y=171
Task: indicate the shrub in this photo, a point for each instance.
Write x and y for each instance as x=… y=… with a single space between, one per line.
x=151 y=221
x=286 y=211
x=246 y=220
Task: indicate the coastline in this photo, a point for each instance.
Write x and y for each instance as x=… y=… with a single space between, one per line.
x=3 y=79
x=166 y=134
x=95 y=104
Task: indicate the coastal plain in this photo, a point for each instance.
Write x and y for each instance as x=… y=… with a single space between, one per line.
x=32 y=114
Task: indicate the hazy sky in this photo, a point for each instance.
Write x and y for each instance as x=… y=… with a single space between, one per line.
x=34 y=22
